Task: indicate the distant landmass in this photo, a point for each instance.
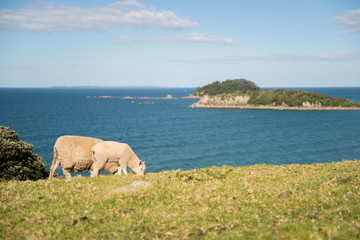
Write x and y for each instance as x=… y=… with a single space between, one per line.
x=94 y=87
x=244 y=94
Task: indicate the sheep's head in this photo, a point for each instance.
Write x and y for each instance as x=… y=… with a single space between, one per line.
x=141 y=168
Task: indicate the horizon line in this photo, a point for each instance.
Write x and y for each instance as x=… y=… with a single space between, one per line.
x=96 y=87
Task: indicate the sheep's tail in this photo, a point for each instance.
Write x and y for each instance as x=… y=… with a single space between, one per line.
x=55 y=164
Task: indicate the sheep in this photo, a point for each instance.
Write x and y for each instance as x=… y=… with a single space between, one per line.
x=73 y=153
x=119 y=153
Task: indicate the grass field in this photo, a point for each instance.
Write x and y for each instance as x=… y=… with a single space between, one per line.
x=318 y=201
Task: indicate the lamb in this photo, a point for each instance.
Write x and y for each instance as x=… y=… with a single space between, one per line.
x=119 y=153
x=73 y=153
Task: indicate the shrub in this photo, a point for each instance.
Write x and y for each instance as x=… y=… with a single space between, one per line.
x=17 y=161
x=226 y=87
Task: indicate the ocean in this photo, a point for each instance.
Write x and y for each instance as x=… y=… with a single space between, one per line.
x=168 y=135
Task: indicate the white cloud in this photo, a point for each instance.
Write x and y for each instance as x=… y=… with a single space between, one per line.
x=278 y=58
x=200 y=38
x=190 y=38
x=350 y=19
x=49 y=17
x=302 y=57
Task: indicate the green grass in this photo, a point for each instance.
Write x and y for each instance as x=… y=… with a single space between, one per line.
x=318 y=201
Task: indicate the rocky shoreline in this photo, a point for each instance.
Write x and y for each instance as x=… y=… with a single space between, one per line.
x=270 y=107
x=169 y=96
x=241 y=102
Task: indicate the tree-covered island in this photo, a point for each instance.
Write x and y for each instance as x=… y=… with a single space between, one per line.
x=244 y=94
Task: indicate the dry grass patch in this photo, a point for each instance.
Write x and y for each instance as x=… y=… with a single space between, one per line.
x=318 y=201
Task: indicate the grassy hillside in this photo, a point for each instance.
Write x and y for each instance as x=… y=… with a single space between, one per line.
x=318 y=201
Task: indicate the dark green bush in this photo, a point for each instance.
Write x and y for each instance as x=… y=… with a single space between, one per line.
x=226 y=87
x=17 y=161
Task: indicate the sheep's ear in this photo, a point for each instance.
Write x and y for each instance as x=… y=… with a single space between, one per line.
x=140 y=162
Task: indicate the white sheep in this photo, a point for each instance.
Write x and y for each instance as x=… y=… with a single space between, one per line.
x=73 y=153
x=119 y=153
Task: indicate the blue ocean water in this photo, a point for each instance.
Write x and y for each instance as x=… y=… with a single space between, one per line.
x=167 y=134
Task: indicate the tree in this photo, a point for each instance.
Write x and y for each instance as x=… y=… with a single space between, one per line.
x=225 y=87
x=17 y=161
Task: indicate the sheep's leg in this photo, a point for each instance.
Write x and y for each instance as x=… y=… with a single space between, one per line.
x=92 y=173
x=119 y=171
x=67 y=174
x=124 y=170
x=97 y=165
x=95 y=171
x=55 y=164
x=123 y=167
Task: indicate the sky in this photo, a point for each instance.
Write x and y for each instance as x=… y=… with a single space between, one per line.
x=187 y=43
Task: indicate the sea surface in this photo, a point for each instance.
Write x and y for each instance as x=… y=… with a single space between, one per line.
x=168 y=135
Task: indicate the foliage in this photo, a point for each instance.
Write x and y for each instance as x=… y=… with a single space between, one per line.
x=297 y=98
x=228 y=86
x=277 y=97
x=292 y=98
x=317 y=201
x=17 y=161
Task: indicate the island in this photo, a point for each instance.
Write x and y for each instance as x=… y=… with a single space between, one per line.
x=244 y=94
x=169 y=96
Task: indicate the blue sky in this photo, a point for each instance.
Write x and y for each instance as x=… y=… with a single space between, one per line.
x=185 y=43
